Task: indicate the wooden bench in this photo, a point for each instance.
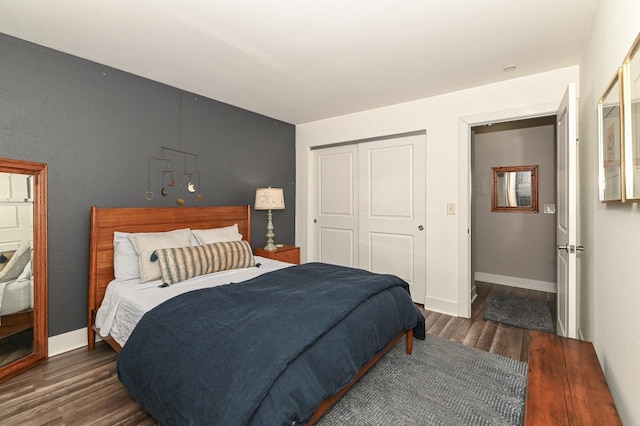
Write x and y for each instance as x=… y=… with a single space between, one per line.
x=566 y=385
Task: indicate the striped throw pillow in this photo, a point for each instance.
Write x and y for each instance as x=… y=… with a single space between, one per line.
x=181 y=263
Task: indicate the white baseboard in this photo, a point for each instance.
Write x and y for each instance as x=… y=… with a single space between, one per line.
x=549 y=287
x=440 y=305
x=66 y=342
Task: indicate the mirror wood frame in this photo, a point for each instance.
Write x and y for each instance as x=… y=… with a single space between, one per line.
x=40 y=265
x=533 y=208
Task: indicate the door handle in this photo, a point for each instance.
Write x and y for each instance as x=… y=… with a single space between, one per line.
x=571 y=248
x=420 y=228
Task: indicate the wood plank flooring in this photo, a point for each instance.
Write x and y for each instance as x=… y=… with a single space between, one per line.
x=500 y=339
x=81 y=387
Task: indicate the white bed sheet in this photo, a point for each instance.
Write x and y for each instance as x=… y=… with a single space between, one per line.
x=125 y=302
x=16 y=296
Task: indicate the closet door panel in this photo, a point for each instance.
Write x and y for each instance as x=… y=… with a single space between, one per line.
x=392 y=209
x=337 y=246
x=392 y=253
x=334 y=233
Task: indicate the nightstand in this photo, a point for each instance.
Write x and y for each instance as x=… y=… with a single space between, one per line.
x=289 y=254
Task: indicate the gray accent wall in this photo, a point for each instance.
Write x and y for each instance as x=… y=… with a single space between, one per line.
x=521 y=245
x=96 y=127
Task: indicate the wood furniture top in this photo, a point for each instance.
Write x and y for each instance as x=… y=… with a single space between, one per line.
x=284 y=253
x=105 y=221
x=566 y=385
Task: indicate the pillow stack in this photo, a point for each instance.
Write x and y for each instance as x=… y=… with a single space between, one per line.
x=179 y=255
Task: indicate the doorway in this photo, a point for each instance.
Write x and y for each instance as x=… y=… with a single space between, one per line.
x=514 y=246
x=567 y=208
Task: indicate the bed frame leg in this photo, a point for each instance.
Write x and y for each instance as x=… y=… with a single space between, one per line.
x=91 y=339
x=91 y=333
x=410 y=341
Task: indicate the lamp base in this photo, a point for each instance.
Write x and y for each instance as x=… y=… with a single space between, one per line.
x=270 y=234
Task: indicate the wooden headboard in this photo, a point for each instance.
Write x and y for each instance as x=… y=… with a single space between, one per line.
x=105 y=221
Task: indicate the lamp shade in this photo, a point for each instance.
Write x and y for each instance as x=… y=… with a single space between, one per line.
x=269 y=199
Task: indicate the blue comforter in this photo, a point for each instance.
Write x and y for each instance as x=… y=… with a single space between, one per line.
x=267 y=351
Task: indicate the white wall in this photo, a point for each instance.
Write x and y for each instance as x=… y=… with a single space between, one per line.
x=610 y=276
x=440 y=117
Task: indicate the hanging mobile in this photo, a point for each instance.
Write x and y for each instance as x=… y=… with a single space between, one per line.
x=190 y=186
x=180 y=200
x=148 y=195
x=163 y=191
x=199 y=195
x=171 y=183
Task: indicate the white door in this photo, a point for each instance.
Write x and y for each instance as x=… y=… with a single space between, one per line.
x=567 y=229
x=393 y=210
x=335 y=228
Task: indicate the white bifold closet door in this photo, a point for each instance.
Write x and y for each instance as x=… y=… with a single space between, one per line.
x=370 y=206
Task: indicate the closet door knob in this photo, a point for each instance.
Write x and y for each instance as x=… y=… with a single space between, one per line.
x=420 y=228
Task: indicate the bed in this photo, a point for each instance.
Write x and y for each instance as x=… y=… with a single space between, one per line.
x=305 y=333
x=16 y=290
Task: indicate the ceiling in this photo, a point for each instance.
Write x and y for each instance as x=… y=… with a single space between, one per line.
x=305 y=60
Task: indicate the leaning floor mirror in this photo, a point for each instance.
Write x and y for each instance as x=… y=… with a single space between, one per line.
x=23 y=266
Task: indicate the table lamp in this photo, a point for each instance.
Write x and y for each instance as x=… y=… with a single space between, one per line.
x=269 y=199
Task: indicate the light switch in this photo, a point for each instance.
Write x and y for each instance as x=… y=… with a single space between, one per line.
x=451 y=208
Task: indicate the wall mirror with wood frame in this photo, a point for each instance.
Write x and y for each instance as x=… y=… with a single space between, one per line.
x=515 y=189
x=23 y=266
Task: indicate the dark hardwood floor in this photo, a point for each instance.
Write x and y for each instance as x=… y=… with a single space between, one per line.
x=500 y=339
x=81 y=387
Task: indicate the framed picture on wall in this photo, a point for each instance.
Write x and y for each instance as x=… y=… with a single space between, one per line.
x=631 y=110
x=611 y=142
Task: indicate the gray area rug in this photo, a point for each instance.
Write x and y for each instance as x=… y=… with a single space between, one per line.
x=520 y=312
x=442 y=383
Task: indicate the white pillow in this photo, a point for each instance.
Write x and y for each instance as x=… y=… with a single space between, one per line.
x=26 y=273
x=145 y=243
x=125 y=257
x=218 y=235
